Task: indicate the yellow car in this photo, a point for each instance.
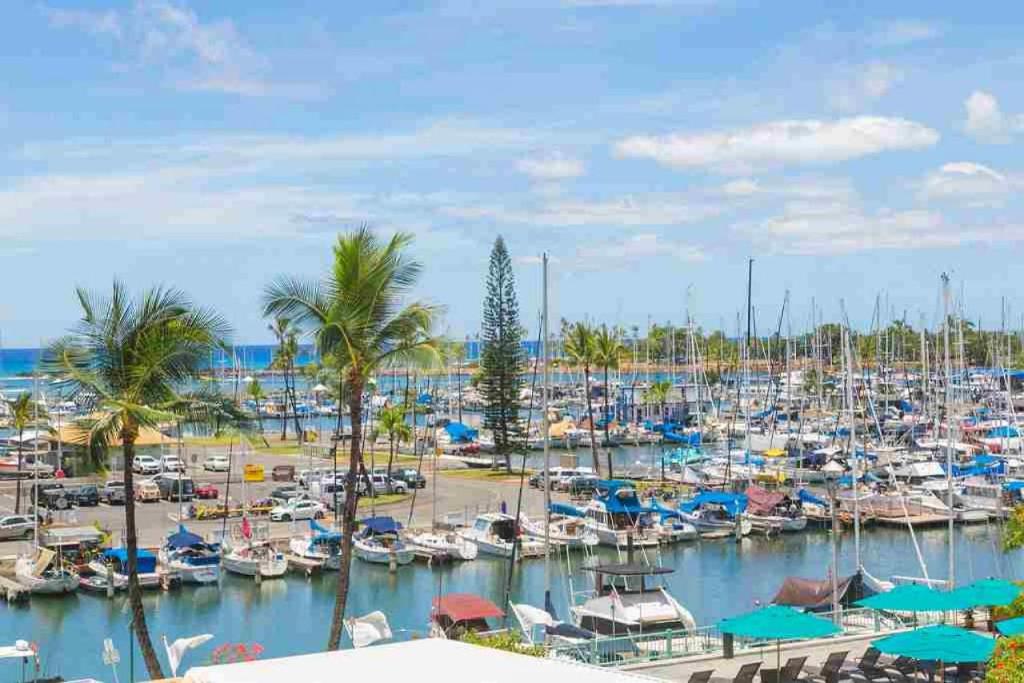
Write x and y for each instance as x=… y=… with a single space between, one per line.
x=147 y=491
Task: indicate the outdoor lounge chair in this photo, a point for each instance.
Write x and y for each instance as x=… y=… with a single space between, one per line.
x=701 y=676
x=868 y=668
x=792 y=669
x=832 y=671
x=746 y=673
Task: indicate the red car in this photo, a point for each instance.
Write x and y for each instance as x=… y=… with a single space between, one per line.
x=207 y=492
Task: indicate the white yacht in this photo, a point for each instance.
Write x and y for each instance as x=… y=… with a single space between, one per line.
x=378 y=542
x=624 y=603
x=494 y=533
x=617 y=518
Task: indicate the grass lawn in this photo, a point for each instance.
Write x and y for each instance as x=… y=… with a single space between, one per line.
x=384 y=499
x=485 y=475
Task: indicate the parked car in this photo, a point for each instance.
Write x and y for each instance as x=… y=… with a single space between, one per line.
x=282 y=494
x=381 y=484
x=86 y=495
x=307 y=477
x=113 y=492
x=15 y=526
x=145 y=464
x=410 y=476
x=42 y=487
x=583 y=485
x=207 y=492
x=217 y=463
x=174 y=486
x=171 y=463
x=283 y=473
x=297 y=509
x=331 y=494
x=147 y=492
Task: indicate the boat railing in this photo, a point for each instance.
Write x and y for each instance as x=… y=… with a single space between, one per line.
x=637 y=648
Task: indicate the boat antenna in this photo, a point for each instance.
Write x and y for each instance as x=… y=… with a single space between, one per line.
x=545 y=428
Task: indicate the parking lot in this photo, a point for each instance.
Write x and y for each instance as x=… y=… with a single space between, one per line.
x=454 y=494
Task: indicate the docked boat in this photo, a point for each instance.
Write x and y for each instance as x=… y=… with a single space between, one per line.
x=716 y=511
x=494 y=533
x=191 y=558
x=45 y=574
x=112 y=566
x=625 y=603
x=378 y=542
x=773 y=512
x=255 y=559
x=443 y=545
x=567 y=527
x=319 y=545
x=617 y=517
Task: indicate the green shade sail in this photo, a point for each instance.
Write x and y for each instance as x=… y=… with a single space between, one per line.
x=778 y=623
x=989 y=593
x=938 y=643
x=917 y=598
x=1011 y=627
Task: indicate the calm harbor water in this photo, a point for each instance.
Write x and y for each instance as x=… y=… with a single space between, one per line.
x=714 y=579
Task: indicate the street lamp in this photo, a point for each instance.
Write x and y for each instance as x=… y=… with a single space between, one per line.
x=832 y=472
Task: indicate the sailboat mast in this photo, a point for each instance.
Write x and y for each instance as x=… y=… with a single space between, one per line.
x=949 y=425
x=545 y=429
x=853 y=445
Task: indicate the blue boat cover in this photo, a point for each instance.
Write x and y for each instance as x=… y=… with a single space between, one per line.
x=184 y=539
x=567 y=510
x=620 y=497
x=808 y=497
x=322 y=534
x=732 y=503
x=459 y=432
x=1014 y=486
x=381 y=525
x=145 y=560
x=1005 y=432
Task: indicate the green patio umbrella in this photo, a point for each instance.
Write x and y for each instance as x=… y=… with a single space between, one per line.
x=940 y=643
x=989 y=593
x=778 y=623
x=1011 y=627
x=916 y=598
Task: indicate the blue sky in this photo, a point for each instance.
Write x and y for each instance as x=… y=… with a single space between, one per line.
x=651 y=146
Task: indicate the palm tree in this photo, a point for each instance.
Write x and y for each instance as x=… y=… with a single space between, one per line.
x=581 y=350
x=24 y=411
x=128 y=357
x=355 y=313
x=608 y=349
x=658 y=394
x=287 y=349
x=256 y=394
x=392 y=422
x=455 y=350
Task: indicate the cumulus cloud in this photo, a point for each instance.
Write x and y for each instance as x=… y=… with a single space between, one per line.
x=861 y=85
x=974 y=184
x=986 y=121
x=103 y=23
x=551 y=168
x=781 y=143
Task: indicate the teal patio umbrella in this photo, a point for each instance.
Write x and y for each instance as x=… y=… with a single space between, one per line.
x=916 y=598
x=990 y=593
x=1011 y=627
x=778 y=623
x=940 y=643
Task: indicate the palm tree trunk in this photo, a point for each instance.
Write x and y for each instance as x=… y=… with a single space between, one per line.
x=349 y=515
x=607 y=421
x=391 y=453
x=17 y=479
x=590 y=415
x=131 y=542
x=284 y=415
x=295 y=402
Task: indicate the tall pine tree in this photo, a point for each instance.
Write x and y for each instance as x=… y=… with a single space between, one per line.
x=502 y=361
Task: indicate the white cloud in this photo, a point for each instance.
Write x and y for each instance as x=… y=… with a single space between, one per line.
x=551 y=168
x=186 y=52
x=986 y=121
x=632 y=250
x=743 y=187
x=862 y=85
x=781 y=143
x=106 y=23
x=653 y=210
x=897 y=33
x=975 y=184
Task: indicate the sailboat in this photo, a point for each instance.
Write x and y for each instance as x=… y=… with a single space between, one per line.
x=319 y=545
x=190 y=557
x=45 y=574
x=378 y=542
x=252 y=557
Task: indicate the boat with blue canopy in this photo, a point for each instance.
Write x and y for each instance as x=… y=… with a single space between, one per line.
x=717 y=511
x=319 y=545
x=618 y=518
x=189 y=556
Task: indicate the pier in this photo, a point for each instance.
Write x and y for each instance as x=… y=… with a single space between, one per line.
x=12 y=591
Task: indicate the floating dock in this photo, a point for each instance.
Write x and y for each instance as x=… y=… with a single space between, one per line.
x=12 y=591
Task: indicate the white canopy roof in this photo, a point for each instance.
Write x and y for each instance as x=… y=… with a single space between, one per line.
x=408 y=661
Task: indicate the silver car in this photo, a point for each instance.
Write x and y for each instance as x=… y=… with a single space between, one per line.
x=15 y=526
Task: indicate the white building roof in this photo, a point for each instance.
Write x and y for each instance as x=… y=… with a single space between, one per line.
x=434 y=658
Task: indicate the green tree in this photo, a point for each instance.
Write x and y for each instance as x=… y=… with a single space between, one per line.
x=608 y=351
x=502 y=360
x=255 y=390
x=128 y=357
x=285 y=332
x=1007 y=663
x=455 y=352
x=658 y=395
x=356 y=314
x=581 y=350
x=391 y=421
x=24 y=412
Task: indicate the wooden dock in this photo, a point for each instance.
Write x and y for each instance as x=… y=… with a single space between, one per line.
x=12 y=591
